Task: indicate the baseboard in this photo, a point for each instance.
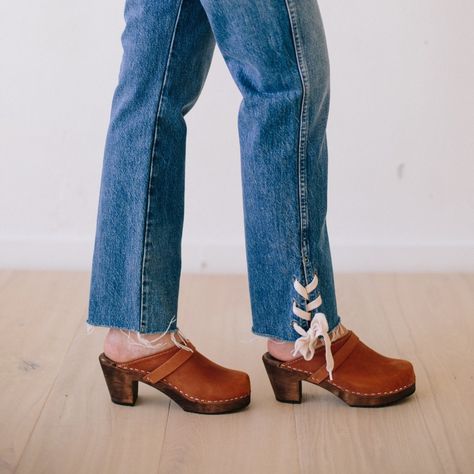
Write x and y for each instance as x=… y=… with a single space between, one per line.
x=76 y=254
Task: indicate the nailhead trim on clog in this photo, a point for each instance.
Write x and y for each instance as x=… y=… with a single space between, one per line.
x=201 y=399
x=338 y=386
x=373 y=393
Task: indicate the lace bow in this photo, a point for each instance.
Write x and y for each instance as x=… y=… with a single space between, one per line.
x=305 y=345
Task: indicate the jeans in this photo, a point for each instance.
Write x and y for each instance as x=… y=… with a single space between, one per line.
x=276 y=53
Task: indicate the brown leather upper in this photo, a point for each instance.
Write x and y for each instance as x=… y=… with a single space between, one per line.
x=192 y=374
x=357 y=368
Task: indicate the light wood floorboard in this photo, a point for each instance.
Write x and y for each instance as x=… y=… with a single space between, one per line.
x=39 y=314
x=56 y=416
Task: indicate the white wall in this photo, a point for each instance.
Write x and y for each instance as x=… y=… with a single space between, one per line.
x=401 y=137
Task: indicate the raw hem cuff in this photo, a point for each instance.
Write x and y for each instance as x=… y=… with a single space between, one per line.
x=279 y=337
x=126 y=328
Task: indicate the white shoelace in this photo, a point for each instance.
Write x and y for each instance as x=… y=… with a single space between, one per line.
x=305 y=345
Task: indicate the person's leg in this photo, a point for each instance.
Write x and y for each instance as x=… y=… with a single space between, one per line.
x=167 y=50
x=168 y=46
x=276 y=52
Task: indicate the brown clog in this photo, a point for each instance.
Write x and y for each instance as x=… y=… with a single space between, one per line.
x=194 y=382
x=360 y=376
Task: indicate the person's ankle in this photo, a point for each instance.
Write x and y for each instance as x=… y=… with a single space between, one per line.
x=283 y=350
x=122 y=345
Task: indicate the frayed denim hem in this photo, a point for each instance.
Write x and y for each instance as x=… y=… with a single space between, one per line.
x=278 y=337
x=271 y=336
x=91 y=325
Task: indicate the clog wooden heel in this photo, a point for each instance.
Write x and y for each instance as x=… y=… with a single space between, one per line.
x=123 y=387
x=286 y=384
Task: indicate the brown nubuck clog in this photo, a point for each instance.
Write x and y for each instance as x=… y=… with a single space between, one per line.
x=194 y=382
x=361 y=376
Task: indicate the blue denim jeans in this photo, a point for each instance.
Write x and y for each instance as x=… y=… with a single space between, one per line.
x=276 y=53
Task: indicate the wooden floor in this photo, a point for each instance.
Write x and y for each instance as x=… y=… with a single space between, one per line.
x=56 y=416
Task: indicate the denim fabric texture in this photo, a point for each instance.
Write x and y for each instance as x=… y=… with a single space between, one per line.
x=276 y=53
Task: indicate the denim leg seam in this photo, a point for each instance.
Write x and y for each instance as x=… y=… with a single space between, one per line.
x=143 y=321
x=302 y=141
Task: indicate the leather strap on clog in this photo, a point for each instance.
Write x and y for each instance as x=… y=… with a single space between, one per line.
x=339 y=357
x=173 y=363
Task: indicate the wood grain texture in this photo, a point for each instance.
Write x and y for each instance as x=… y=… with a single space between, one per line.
x=39 y=314
x=56 y=416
